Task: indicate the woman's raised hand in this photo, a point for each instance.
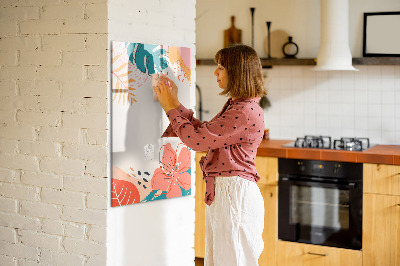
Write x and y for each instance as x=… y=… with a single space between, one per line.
x=164 y=94
x=174 y=89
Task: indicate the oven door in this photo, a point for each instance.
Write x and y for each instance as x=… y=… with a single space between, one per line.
x=321 y=212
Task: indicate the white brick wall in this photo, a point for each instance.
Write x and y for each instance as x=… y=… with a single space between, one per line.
x=168 y=22
x=53 y=121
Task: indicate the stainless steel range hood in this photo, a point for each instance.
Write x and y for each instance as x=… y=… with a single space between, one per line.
x=334 y=52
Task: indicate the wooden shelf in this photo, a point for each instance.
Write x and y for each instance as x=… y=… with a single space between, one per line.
x=312 y=61
x=376 y=61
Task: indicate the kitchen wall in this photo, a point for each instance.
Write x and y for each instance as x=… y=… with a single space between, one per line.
x=159 y=232
x=54 y=146
x=339 y=104
x=53 y=132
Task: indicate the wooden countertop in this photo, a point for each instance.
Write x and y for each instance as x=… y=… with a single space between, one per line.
x=379 y=154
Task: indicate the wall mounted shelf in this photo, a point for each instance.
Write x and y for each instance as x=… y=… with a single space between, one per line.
x=312 y=61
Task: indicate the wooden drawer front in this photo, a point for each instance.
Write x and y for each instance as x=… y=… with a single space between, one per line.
x=267 y=168
x=294 y=254
x=381 y=179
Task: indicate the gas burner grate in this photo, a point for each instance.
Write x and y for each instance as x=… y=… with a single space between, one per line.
x=320 y=142
x=351 y=144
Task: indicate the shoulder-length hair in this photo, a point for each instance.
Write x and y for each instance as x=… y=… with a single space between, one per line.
x=245 y=78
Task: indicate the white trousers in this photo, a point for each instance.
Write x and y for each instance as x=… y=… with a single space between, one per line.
x=234 y=223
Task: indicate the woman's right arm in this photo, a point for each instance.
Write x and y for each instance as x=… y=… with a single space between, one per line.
x=186 y=113
x=183 y=111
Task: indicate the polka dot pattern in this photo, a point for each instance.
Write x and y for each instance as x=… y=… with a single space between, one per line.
x=231 y=138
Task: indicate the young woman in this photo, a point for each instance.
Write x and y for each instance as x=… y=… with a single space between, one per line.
x=235 y=207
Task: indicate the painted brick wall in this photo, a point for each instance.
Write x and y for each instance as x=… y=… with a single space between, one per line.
x=53 y=132
x=159 y=232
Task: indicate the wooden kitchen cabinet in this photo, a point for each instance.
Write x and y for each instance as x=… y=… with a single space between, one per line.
x=381 y=179
x=270 y=233
x=200 y=207
x=381 y=230
x=267 y=168
x=298 y=254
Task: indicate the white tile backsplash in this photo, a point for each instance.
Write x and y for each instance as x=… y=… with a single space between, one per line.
x=388 y=97
x=388 y=84
x=364 y=103
x=387 y=72
x=388 y=111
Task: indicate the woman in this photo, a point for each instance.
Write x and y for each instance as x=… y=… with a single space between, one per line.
x=235 y=207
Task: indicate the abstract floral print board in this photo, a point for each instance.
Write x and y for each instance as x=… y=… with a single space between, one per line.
x=146 y=167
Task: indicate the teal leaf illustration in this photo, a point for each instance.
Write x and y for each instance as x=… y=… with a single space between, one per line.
x=148 y=58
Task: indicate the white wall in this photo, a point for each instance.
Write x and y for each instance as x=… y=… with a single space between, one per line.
x=53 y=137
x=298 y=18
x=338 y=104
x=159 y=232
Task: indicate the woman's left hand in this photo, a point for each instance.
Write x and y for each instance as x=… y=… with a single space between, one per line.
x=163 y=92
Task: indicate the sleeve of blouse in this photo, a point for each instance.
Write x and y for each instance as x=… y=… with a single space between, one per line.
x=186 y=113
x=225 y=130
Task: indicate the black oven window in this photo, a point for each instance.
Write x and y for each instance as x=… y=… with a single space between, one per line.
x=317 y=207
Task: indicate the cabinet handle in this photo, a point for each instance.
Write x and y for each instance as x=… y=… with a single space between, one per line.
x=318 y=254
x=398 y=204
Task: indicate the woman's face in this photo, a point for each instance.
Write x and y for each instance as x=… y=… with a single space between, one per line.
x=222 y=76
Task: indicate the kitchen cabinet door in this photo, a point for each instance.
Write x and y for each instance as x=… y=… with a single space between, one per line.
x=381 y=179
x=298 y=254
x=200 y=207
x=267 y=168
x=381 y=230
x=270 y=233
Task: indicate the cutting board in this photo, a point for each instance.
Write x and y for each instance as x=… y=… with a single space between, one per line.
x=232 y=35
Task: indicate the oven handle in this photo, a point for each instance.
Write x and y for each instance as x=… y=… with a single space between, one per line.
x=297 y=181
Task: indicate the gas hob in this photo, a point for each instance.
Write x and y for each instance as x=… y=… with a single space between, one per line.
x=325 y=142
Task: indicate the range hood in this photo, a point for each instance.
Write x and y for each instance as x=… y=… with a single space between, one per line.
x=334 y=51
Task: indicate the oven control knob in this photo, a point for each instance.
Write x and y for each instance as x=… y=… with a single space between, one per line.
x=335 y=170
x=302 y=167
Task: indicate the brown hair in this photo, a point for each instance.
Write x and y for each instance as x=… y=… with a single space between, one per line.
x=245 y=78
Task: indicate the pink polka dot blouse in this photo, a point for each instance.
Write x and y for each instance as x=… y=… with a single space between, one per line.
x=231 y=139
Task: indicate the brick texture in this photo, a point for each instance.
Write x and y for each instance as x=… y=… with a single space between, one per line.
x=53 y=56
x=54 y=86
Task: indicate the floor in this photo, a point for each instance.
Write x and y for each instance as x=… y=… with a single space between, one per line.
x=198 y=261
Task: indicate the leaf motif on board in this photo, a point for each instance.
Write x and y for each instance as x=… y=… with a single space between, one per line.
x=123 y=193
x=147 y=58
x=122 y=90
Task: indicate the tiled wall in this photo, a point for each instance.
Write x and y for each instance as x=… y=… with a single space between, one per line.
x=338 y=104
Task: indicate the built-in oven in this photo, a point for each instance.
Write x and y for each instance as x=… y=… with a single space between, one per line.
x=320 y=202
